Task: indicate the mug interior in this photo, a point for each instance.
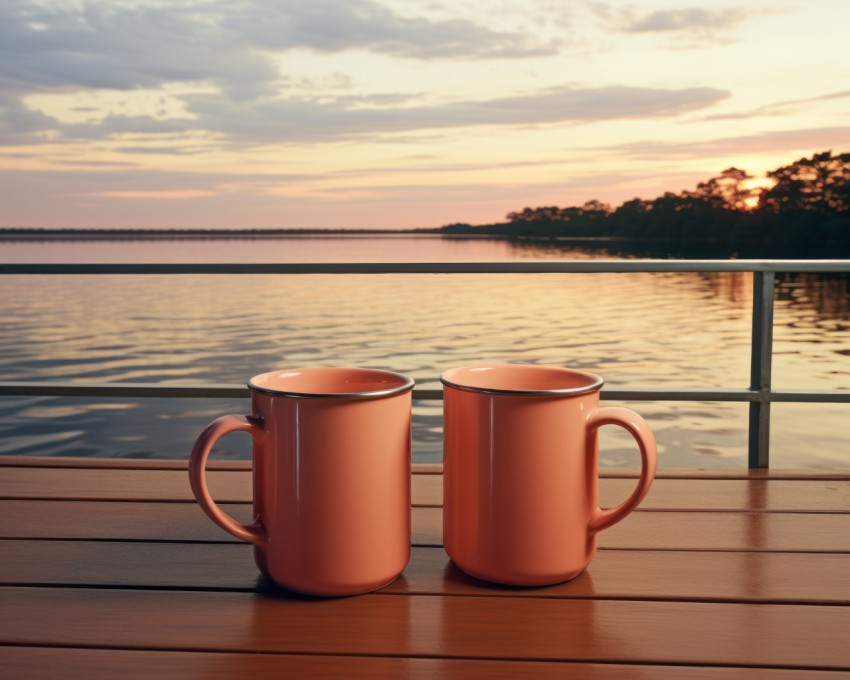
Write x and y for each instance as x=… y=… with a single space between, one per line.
x=521 y=379
x=331 y=382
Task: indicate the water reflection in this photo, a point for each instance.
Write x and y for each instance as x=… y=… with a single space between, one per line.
x=827 y=295
x=638 y=330
x=733 y=287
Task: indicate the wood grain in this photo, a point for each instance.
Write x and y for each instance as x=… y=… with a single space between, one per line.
x=226 y=486
x=791 y=636
x=813 y=578
x=65 y=462
x=419 y=468
x=791 y=532
x=235 y=486
x=19 y=663
x=728 y=574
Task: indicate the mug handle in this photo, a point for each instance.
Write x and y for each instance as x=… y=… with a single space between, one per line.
x=629 y=420
x=253 y=533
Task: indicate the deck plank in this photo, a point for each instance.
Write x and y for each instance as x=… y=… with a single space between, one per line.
x=67 y=462
x=791 y=532
x=721 y=574
x=419 y=468
x=226 y=486
x=235 y=486
x=789 y=636
x=107 y=664
x=806 y=578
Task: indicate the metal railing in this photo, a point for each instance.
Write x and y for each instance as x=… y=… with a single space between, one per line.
x=760 y=395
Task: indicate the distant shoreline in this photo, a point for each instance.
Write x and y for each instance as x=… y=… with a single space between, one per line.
x=619 y=246
x=53 y=235
x=35 y=234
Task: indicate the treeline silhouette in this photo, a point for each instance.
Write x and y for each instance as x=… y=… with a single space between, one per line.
x=805 y=213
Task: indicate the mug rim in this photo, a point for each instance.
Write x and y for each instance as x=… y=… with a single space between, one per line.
x=595 y=381
x=405 y=386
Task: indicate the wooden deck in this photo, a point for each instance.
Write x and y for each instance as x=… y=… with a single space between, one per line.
x=108 y=569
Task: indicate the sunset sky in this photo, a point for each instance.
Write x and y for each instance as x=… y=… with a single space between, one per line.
x=398 y=114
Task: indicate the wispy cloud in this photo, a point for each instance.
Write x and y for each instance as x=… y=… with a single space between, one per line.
x=85 y=163
x=20 y=124
x=281 y=120
x=163 y=194
x=776 y=108
x=335 y=25
x=184 y=191
x=235 y=49
x=138 y=182
x=687 y=20
x=681 y=28
x=57 y=46
x=836 y=138
x=294 y=119
x=125 y=46
x=387 y=102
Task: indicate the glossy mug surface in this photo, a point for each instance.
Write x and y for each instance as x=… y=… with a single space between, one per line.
x=520 y=470
x=331 y=477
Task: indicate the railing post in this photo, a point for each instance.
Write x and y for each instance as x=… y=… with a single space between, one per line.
x=760 y=369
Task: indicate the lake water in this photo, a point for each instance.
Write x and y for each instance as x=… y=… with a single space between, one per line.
x=636 y=330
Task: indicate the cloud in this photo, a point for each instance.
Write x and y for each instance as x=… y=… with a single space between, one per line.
x=775 y=109
x=481 y=190
x=162 y=194
x=836 y=138
x=107 y=199
x=19 y=124
x=163 y=150
x=121 y=47
x=63 y=47
x=290 y=119
x=422 y=164
x=335 y=25
x=55 y=46
x=139 y=180
x=69 y=199
x=114 y=124
x=685 y=28
x=94 y=164
x=687 y=20
x=135 y=183
x=124 y=46
x=282 y=120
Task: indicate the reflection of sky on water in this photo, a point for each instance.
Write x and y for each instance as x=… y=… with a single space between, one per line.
x=637 y=330
x=364 y=248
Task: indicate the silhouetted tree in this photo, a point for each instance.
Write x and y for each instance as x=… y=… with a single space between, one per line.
x=819 y=183
x=809 y=202
x=806 y=210
x=729 y=190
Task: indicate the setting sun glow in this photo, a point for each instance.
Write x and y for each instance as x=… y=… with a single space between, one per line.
x=390 y=114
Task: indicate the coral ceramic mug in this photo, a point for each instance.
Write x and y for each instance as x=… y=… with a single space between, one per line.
x=331 y=477
x=520 y=470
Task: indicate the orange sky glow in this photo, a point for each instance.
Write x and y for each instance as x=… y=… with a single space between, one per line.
x=388 y=114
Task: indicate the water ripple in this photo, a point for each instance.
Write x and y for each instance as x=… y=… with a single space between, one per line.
x=637 y=330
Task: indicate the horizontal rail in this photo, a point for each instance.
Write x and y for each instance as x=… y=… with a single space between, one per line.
x=759 y=395
x=519 y=267
x=225 y=391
